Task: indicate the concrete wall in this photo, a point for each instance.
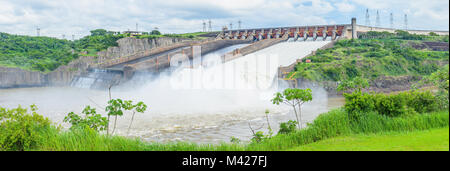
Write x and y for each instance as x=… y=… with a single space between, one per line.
x=62 y=76
x=15 y=77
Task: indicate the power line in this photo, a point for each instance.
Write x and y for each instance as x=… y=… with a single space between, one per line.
x=378 y=19
x=367 y=17
x=38 y=31
x=239 y=24
x=406 y=21
x=210 y=27
x=204 y=26
x=392 y=20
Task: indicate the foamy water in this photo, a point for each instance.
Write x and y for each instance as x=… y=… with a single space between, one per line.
x=206 y=104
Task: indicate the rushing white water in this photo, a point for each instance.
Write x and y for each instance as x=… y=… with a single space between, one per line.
x=209 y=103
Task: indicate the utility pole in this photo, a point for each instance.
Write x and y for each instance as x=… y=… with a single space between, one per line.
x=204 y=26
x=231 y=26
x=392 y=20
x=38 y=31
x=378 y=19
x=239 y=24
x=73 y=37
x=367 y=17
x=406 y=21
x=210 y=27
x=137 y=27
x=63 y=36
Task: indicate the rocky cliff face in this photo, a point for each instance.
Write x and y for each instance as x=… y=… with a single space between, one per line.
x=128 y=46
x=383 y=84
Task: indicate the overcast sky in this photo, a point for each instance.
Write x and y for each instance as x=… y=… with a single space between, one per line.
x=77 y=17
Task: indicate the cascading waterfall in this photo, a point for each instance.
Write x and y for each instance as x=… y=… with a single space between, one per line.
x=96 y=78
x=208 y=103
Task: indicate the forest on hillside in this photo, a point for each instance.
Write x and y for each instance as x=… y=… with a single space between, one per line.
x=46 y=54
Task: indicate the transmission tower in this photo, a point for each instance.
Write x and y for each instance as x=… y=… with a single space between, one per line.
x=38 y=31
x=392 y=20
x=63 y=36
x=209 y=26
x=378 y=19
x=367 y=17
x=406 y=21
x=204 y=26
x=239 y=24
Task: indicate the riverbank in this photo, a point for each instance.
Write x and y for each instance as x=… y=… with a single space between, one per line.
x=329 y=125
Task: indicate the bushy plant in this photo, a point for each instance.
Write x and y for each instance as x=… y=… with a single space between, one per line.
x=258 y=137
x=391 y=105
x=91 y=120
x=287 y=127
x=358 y=102
x=235 y=140
x=421 y=101
x=19 y=129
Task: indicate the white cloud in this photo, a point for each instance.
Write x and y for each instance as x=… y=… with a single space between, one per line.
x=78 y=17
x=345 y=7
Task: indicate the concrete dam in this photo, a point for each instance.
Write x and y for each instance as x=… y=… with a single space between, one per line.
x=153 y=61
x=201 y=91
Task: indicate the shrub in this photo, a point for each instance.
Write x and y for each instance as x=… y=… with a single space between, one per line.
x=91 y=119
x=287 y=127
x=392 y=105
x=258 y=137
x=421 y=101
x=358 y=102
x=19 y=130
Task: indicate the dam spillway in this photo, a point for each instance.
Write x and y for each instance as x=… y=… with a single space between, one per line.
x=199 y=114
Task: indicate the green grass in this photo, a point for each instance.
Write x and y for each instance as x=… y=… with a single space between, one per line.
x=428 y=140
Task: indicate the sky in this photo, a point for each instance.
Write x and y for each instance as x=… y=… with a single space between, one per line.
x=56 y=18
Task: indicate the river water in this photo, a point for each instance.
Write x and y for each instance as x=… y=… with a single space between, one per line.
x=206 y=104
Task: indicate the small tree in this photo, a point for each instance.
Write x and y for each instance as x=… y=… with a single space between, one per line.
x=268 y=123
x=155 y=32
x=295 y=98
x=139 y=107
x=114 y=108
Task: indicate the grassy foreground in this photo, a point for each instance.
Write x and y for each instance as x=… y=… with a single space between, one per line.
x=428 y=140
x=333 y=124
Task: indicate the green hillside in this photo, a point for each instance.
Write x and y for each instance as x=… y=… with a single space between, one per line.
x=384 y=54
